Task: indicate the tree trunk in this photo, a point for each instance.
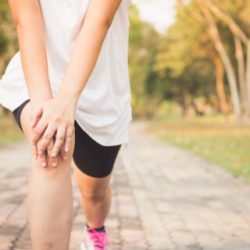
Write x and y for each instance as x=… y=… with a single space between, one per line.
x=239 y=33
x=215 y=36
x=248 y=78
x=241 y=73
x=185 y=98
x=219 y=71
x=233 y=26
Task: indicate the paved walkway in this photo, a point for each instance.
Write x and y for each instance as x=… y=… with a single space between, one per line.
x=167 y=200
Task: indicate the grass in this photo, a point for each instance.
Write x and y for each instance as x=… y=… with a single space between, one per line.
x=9 y=131
x=225 y=143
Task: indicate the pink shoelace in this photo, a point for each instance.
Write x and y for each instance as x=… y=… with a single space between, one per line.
x=99 y=238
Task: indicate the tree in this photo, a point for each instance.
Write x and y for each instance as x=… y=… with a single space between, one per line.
x=210 y=33
x=143 y=43
x=240 y=36
x=8 y=40
x=216 y=38
x=184 y=58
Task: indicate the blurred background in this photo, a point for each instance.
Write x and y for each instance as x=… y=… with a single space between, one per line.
x=189 y=67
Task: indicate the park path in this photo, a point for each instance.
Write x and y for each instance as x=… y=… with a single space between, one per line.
x=168 y=199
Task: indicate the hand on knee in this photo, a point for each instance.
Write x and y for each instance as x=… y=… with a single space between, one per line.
x=47 y=161
x=53 y=129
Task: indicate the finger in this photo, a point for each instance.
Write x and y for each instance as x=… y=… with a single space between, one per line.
x=62 y=153
x=52 y=160
x=60 y=137
x=69 y=135
x=36 y=117
x=38 y=130
x=51 y=144
x=46 y=138
x=34 y=151
x=43 y=160
x=49 y=148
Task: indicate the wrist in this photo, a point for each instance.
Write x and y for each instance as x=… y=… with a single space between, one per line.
x=38 y=100
x=67 y=99
x=40 y=92
x=68 y=95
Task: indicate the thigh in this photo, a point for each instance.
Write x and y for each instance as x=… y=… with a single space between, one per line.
x=92 y=158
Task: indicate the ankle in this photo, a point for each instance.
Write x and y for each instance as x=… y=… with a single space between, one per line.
x=99 y=229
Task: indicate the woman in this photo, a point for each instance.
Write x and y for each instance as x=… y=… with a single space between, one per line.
x=69 y=91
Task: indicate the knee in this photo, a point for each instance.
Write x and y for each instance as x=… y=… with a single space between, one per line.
x=50 y=172
x=96 y=195
x=63 y=166
x=61 y=163
x=46 y=246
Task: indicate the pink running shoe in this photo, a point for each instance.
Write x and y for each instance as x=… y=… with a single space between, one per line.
x=93 y=239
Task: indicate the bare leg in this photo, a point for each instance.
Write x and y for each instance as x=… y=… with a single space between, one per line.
x=49 y=199
x=95 y=197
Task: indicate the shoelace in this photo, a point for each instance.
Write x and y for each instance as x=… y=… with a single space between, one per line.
x=99 y=238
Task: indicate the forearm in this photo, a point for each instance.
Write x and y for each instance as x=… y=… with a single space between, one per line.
x=87 y=47
x=81 y=67
x=34 y=59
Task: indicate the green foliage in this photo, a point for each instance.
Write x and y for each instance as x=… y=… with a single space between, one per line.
x=8 y=41
x=143 y=47
x=186 y=53
x=180 y=46
x=239 y=10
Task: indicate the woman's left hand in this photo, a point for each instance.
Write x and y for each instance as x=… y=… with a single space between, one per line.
x=56 y=123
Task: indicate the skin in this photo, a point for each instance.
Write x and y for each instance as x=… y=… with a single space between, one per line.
x=48 y=123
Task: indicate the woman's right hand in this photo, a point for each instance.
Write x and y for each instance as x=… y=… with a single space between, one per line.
x=46 y=156
x=54 y=121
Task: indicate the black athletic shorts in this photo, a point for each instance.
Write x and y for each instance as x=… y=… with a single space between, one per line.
x=89 y=156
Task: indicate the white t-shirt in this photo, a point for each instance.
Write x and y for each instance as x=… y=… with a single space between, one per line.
x=104 y=107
